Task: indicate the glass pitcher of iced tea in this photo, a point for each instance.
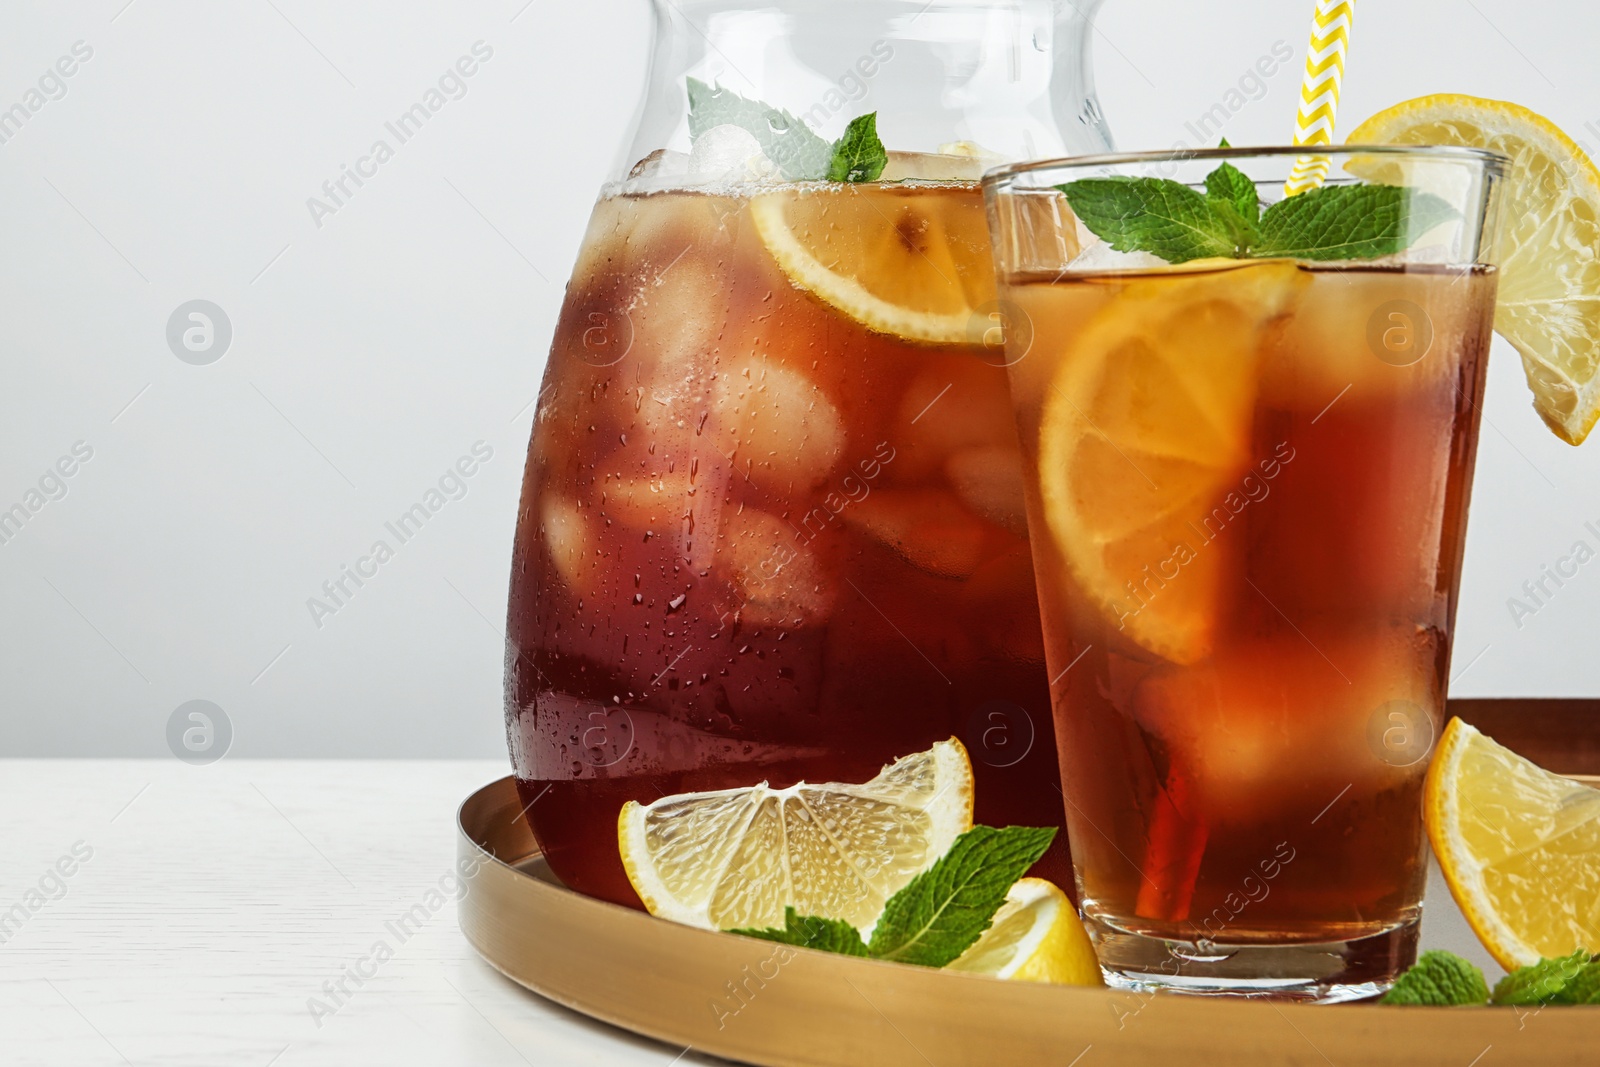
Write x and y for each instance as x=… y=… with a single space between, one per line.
x=772 y=522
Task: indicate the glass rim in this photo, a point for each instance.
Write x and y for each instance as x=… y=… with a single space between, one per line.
x=1496 y=161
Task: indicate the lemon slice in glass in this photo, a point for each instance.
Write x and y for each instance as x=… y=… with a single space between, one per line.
x=1549 y=253
x=1145 y=427
x=1519 y=847
x=734 y=858
x=1035 y=937
x=907 y=260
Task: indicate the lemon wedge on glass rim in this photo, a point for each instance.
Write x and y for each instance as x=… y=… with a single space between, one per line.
x=1549 y=251
x=734 y=858
x=1518 y=846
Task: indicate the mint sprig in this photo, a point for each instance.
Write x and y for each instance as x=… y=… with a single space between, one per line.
x=1177 y=223
x=1582 y=988
x=858 y=156
x=792 y=146
x=941 y=912
x=808 y=931
x=1443 y=979
x=1439 y=980
x=1539 y=983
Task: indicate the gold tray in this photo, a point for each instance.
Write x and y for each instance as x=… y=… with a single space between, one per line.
x=760 y=1003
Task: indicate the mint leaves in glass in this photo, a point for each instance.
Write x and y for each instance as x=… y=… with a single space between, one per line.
x=1179 y=223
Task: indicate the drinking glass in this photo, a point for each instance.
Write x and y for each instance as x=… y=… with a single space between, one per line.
x=1247 y=486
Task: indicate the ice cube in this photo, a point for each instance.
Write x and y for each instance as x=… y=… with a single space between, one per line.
x=676 y=311
x=729 y=153
x=989 y=481
x=778 y=577
x=1370 y=335
x=956 y=402
x=934 y=166
x=1097 y=255
x=647 y=235
x=972 y=150
x=1284 y=722
x=776 y=425
x=661 y=164
x=568 y=542
x=661 y=170
x=681 y=505
x=928 y=528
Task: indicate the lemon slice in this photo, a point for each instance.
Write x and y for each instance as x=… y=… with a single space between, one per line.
x=735 y=857
x=1549 y=304
x=1035 y=937
x=1519 y=847
x=912 y=261
x=1145 y=427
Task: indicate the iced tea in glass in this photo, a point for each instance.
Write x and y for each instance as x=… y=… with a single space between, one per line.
x=1247 y=484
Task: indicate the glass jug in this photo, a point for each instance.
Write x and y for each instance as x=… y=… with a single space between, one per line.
x=772 y=524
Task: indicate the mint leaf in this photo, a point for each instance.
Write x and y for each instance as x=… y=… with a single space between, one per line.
x=1539 y=983
x=858 y=156
x=826 y=935
x=1582 y=988
x=937 y=915
x=1439 y=979
x=798 y=153
x=1229 y=185
x=1243 y=229
x=1154 y=215
x=1349 y=222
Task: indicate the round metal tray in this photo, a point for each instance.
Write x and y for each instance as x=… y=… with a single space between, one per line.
x=760 y=1003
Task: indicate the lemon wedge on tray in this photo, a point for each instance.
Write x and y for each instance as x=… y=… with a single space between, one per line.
x=733 y=858
x=1035 y=937
x=1518 y=846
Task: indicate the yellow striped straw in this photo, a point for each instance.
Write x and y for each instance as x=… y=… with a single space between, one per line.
x=1319 y=91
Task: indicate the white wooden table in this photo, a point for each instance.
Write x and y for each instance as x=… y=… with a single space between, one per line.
x=220 y=907
x=216 y=902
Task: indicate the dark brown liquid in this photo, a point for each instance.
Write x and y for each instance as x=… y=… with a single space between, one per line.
x=760 y=542
x=1266 y=785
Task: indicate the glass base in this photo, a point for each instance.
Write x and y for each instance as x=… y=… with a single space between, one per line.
x=1327 y=972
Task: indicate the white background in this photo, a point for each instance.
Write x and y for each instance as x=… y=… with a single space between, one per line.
x=371 y=352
